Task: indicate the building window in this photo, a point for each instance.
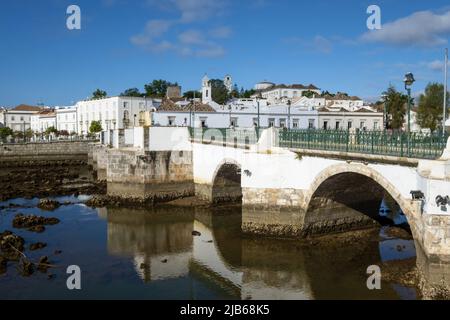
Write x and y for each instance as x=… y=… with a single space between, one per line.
x=234 y=122
x=21 y=118
x=282 y=123
x=349 y=125
x=203 y=122
x=13 y=118
x=362 y=125
x=325 y=125
x=207 y=93
x=171 y=121
x=338 y=125
x=271 y=122
x=295 y=123
x=375 y=125
x=125 y=104
x=311 y=124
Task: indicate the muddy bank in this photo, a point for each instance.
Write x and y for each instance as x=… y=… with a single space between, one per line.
x=103 y=200
x=44 y=181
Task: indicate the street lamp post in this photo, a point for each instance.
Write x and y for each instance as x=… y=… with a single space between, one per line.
x=289 y=114
x=409 y=80
x=385 y=100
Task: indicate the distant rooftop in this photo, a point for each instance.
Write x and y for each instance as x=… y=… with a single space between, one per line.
x=24 y=107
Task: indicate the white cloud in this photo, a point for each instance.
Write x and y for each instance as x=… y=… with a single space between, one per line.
x=190 y=42
x=212 y=51
x=423 y=28
x=221 y=32
x=436 y=65
x=191 y=37
x=191 y=10
x=194 y=10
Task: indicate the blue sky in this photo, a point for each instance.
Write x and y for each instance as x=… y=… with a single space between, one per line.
x=127 y=43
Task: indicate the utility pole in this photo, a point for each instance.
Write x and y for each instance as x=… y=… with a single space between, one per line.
x=445 y=92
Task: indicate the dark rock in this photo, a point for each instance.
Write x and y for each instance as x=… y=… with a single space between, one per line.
x=37 y=229
x=11 y=245
x=143 y=266
x=3 y=264
x=43 y=264
x=164 y=261
x=47 y=204
x=43 y=260
x=399 y=233
x=26 y=268
x=37 y=246
x=196 y=233
x=21 y=221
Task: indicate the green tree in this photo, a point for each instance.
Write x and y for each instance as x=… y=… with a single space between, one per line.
x=95 y=127
x=98 y=94
x=429 y=112
x=5 y=132
x=219 y=92
x=395 y=107
x=50 y=130
x=29 y=133
x=308 y=93
x=190 y=94
x=158 y=88
x=247 y=93
x=132 y=92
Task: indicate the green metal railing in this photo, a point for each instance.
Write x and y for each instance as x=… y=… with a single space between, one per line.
x=400 y=144
x=238 y=138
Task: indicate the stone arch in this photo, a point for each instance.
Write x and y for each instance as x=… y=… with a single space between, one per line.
x=364 y=172
x=226 y=182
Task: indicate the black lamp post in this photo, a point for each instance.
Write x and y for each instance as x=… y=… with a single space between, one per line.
x=409 y=80
x=385 y=100
x=289 y=114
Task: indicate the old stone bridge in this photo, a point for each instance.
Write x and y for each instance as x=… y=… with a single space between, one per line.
x=287 y=189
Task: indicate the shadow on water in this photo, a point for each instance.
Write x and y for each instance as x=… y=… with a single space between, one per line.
x=155 y=254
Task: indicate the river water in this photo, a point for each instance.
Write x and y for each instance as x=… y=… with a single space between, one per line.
x=152 y=254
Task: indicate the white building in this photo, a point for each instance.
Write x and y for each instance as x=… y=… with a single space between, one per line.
x=339 y=118
x=342 y=100
x=18 y=118
x=113 y=112
x=66 y=119
x=280 y=93
x=43 y=120
x=263 y=85
x=234 y=115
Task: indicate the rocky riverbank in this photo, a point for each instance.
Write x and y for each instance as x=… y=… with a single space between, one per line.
x=44 y=181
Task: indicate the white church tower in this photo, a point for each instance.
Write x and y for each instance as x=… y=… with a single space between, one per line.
x=228 y=82
x=206 y=90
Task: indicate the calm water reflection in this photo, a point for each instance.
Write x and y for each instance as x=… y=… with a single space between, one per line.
x=152 y=254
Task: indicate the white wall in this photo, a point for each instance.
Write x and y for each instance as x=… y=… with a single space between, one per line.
x=169 y=138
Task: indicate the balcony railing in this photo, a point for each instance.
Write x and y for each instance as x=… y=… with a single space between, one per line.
x=399 y=144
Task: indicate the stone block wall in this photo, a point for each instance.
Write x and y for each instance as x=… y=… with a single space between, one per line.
x=44 y=153
x=149 y=175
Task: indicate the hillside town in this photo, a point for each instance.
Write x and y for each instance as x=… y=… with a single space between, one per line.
x=294 y=106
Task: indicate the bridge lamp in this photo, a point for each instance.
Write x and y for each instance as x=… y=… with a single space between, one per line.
x=385 y=100
x=409 y=80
